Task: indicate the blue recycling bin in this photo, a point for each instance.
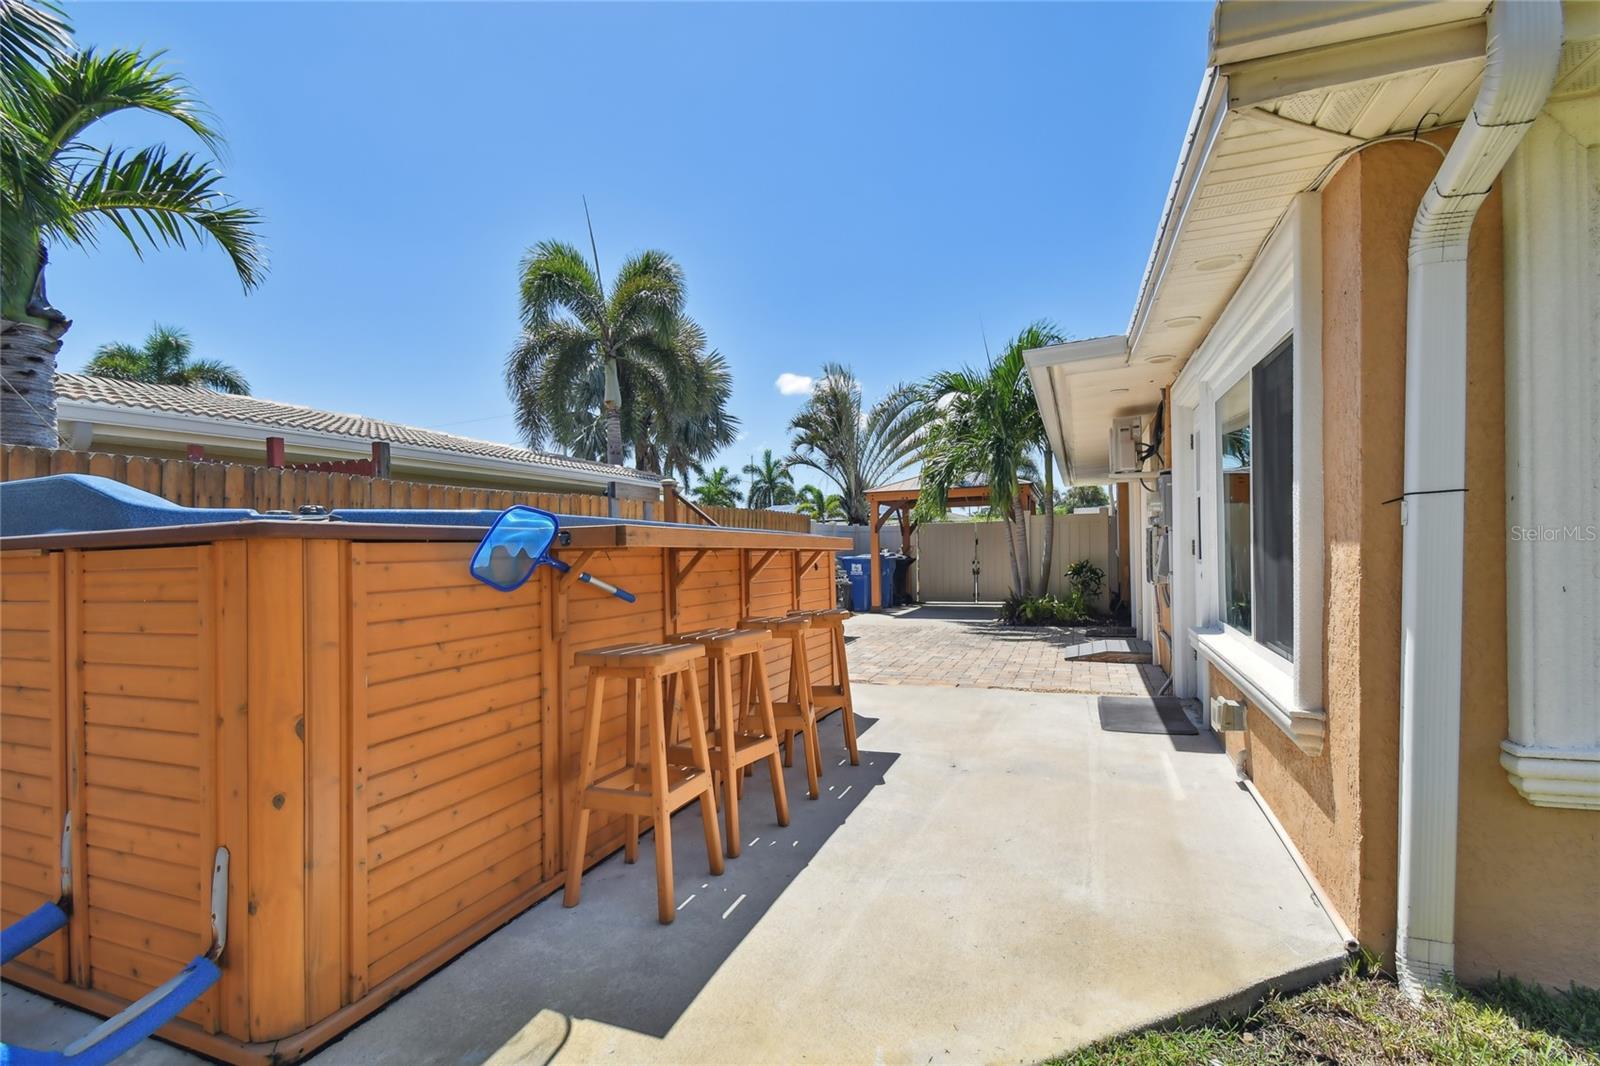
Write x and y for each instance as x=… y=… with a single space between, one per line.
x=855 y=568
x=887 y=592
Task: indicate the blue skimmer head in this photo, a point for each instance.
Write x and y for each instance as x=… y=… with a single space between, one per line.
x=514 y=547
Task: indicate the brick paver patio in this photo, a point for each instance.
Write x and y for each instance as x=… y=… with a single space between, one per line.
x=965 y=646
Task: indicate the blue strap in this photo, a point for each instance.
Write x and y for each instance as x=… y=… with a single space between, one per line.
x=20 y=936
x=119 y=1034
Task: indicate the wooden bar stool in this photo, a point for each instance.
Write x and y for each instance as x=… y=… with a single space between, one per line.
x=794 y=714
x=655 y=787
x=738 y=739
x=825 y=699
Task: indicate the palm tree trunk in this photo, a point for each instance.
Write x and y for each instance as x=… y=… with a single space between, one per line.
x=1024 y=555
x=1049 y=519
x=612 y=408
x=28 y=383
x=1017 y=584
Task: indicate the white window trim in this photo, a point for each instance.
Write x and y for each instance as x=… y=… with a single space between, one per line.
x=1280 y=297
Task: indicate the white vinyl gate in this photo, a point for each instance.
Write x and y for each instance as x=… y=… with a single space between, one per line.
x=968 y=562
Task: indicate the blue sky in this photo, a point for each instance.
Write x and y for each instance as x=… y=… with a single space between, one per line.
x=876 y=184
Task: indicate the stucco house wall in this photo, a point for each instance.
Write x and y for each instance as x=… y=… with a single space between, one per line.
x=1528 y=881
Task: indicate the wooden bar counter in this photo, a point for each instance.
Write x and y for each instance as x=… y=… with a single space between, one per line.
x=387 y=747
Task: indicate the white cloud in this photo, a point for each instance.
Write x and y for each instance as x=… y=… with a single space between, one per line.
x=795 y=384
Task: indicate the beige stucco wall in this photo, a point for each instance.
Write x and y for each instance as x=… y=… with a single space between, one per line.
x=1528 y=888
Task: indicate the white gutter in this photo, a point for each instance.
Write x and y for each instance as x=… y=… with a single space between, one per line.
x=1524 y=48
x=1205 y=126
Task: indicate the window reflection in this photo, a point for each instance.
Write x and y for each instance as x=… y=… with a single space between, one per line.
x=1233 y=417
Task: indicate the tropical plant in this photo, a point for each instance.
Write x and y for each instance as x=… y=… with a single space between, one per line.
x=1045 y=610
x=985 y=422
x=771 y=482
x=820 y=507
x=164 y=359
x=720 y=488
x=575 y=333
x=58 y=188
x=855 y=448
x=674 y=415
x=1086 y=579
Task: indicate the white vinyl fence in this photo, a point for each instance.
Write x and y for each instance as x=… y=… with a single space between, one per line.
x=965 y=562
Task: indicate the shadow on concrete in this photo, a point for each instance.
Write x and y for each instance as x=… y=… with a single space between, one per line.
x=608 y=959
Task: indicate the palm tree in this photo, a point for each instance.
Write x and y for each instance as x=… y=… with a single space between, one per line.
x=771 y=483
x=720 y=488
x=687 y=421
x=58 y=188
x=819 y=507
x=986 y=422
x=164 y=359
x=856 y=449
x=675 y=415
x=573 y=333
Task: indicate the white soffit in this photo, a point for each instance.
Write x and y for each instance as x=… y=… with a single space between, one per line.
x=1273 y=124
x=1081 y=386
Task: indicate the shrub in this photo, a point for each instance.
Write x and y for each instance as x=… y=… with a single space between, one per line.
x=1086 y=579
x=1044 y=610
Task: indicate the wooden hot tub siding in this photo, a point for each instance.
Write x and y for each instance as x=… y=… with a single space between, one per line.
x=368 y=730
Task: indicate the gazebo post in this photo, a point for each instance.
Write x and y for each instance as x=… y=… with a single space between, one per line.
x=874 y=570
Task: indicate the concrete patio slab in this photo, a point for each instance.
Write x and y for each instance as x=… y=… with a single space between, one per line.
x=998 y=881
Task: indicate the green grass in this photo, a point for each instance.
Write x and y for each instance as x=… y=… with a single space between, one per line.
x=1358 y=1019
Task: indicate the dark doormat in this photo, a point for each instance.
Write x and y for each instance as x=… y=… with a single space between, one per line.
x=1145 y=714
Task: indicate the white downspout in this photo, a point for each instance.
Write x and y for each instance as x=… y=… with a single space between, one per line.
x=1524 y=47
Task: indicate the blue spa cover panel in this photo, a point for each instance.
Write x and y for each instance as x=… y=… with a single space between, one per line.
x=419 y=517
x=81 y=503
x=426 y=517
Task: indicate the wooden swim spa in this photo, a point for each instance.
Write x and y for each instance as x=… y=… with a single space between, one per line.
x=386 y=747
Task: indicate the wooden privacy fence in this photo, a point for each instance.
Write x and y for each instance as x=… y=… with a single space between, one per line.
x=203 y=483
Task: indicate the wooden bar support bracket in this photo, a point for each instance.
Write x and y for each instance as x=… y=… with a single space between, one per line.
x=680 y=573
x=570 y=578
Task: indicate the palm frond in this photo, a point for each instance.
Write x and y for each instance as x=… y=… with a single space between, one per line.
x=84 y=87
x=164 y=359
x=543 y=371
x=216 y=375
x=152 y=200
x=647 y=296
x=121 y=361
x=555 y=278
x=32 y=36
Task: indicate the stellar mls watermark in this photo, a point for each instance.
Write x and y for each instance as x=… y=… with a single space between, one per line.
x=1579 y=534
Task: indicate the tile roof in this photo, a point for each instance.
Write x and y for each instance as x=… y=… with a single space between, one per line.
x=272 y=415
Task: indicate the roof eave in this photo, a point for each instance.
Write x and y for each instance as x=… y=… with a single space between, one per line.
x=177 y=426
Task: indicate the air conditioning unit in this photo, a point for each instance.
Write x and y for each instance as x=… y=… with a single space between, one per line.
x=1227 y=716
x=1125 y=446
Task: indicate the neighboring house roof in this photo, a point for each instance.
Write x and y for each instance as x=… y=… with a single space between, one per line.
x=119 y=409
x=1293 y=88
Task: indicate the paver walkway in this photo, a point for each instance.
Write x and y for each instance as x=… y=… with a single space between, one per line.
x=967 y=647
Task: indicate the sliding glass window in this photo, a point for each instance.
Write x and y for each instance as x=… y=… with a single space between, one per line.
x=1255 y=420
